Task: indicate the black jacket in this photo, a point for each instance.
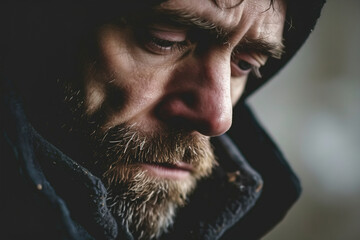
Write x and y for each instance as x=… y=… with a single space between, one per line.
x=47 y=195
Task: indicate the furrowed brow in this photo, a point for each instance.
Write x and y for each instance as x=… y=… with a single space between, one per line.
x=261 y=46
x=183 y=18
x=186 y=19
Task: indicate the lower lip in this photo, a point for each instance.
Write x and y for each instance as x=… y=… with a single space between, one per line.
x=174 y=173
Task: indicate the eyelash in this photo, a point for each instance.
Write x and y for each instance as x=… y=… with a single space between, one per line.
x=160 y=46
x=253 y=69
x=166 y=45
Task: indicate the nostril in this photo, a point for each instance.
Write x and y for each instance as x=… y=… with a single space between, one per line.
x=174 y=111
x=194 y=113
x=189 y=99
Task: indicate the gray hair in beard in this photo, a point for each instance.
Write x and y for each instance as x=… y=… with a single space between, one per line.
x=145 y=203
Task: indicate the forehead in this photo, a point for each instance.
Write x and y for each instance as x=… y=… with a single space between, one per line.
x=253 y=18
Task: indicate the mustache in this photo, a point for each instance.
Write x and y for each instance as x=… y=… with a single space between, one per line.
x=124 y=144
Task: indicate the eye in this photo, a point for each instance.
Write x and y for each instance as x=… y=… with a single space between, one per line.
x=164 y=45
x=241 y=68
x=163 y=42
x=243 y=64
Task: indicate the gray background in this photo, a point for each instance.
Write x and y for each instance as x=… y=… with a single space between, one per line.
x=312 y=109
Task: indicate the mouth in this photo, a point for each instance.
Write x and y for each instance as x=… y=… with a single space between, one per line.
x=176 y=171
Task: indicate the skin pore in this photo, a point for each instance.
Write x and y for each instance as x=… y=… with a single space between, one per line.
x=160 y=85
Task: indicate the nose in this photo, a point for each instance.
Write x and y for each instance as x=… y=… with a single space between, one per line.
x=198 y=96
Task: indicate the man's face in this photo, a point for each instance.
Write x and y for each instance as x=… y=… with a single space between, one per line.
x=155 y=71
x=161 y=82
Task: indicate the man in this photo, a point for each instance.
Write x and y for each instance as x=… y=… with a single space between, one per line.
x=114 y=118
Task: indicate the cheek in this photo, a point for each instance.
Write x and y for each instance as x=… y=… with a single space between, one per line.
x=126 y=62
x=94 y=95
x=127 y=80
x=237 y=88
x=114 y=54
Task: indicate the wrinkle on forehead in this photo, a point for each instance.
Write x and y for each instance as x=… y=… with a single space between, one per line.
x=270 y=23
x=254 y=15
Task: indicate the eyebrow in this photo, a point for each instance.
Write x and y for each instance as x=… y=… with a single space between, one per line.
x=182 y=18
x=269 y=49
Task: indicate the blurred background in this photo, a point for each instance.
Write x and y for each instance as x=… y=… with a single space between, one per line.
x=312 y=110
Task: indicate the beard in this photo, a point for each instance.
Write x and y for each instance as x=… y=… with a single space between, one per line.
x=147 y=204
